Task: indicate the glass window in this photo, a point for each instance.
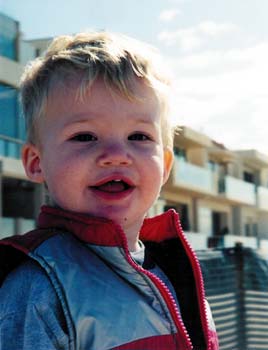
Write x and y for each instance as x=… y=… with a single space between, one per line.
x=8 y=37
x=255 y=229
x=179 y=152
x=247 y=230
x=2 y=148
x=213 y=166
x=249 y=177
x=8 y=111
x=12 y=124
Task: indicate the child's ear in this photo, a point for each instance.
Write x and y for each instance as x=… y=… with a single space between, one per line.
x=168 y=162
x=30 y=155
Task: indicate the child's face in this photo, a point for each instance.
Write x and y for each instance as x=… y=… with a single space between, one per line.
x=102 y=156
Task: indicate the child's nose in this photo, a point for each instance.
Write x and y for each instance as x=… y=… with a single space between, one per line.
x=114 y=155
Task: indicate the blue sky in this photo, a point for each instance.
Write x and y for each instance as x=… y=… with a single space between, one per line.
x=217 y=51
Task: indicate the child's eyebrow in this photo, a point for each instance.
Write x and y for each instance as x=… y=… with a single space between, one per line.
x=84 y=120
x=134 y=118
x=143 y=121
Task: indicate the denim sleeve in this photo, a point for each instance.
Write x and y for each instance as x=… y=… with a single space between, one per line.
x=31 y=317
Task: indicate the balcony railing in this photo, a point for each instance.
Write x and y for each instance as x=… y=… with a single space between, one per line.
x=238 y=190
x=10 y=147
x=10 y=226
x=193 y=176
x=230 y=241
x=198 y=240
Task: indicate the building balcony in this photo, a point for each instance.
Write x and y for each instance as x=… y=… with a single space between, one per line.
x=194 y=177
x=238 y=190
x=230 y=241
x=262 y=198
x=11 y=73
x=10 y=160
x=12 y=226
x=198 y=240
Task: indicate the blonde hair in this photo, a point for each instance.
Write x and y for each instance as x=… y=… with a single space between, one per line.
x=117 y=59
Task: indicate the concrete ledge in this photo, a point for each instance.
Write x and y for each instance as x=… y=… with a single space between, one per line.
x=10 y=71
x=11 y=167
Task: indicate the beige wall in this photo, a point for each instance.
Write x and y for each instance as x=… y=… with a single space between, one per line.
x=197 y=156
x=10 y=72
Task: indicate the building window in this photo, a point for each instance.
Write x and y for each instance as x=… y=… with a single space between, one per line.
x=247 y=230
x=220 y=223
x=255 y=229
x=180 y=153
x=12 y=129
x=182 y=209
x=11 y=118
x=8 y=37
x=213 y=166
x=249 y=177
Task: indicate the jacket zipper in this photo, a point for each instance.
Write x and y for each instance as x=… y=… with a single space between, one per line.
x=168 y=298
x=166 y=294
x=198 y=278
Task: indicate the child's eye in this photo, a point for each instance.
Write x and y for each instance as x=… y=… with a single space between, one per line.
x=84 y=138
x=139 y=137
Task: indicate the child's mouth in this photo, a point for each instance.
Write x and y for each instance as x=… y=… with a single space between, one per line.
x=113 y=186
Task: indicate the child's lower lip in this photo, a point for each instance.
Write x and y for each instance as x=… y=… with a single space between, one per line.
x=112 y=195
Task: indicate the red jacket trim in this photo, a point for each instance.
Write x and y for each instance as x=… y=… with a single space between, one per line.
x=105 y=232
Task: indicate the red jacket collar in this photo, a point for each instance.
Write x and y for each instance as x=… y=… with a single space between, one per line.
x=105 y=232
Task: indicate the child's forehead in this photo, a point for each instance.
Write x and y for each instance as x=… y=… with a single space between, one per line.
x=98 y=99
x=77 y=91
x=77 y=82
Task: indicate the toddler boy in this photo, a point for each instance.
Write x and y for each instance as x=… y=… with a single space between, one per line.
x=97 y=274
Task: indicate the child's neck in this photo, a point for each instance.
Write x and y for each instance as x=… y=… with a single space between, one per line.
x=132 y=235
x=134 y=247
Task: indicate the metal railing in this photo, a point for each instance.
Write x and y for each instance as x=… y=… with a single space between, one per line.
x=10 y=226
x=236 y=282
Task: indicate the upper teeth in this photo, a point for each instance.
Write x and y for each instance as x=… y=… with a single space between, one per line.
x=117 y=180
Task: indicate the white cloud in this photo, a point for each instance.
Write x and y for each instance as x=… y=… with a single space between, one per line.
x=186 y=39
x=169 y=15
x=194 y=37
x=224 y=93
x=211 y=28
